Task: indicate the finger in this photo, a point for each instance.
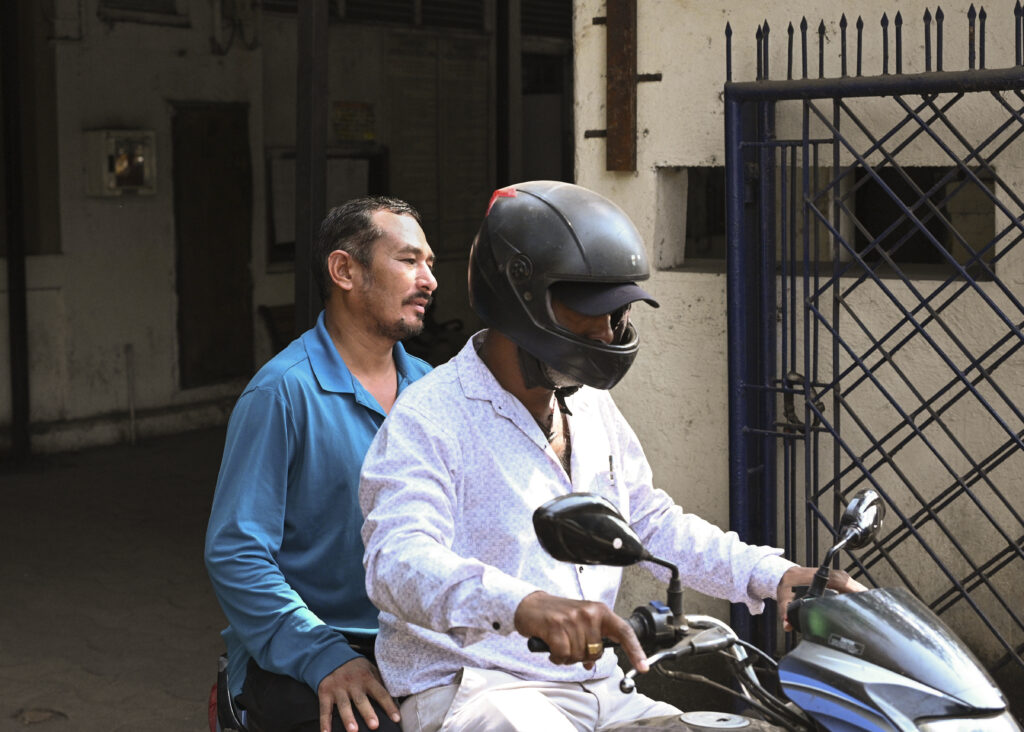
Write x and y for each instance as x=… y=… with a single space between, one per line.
x=623 y=634
x=852 y=585
x=578 y=651
x=367 y=712
x=347 y=718
x=387 y=704
x=841 y=581
x=560 y=644
x=326 y=705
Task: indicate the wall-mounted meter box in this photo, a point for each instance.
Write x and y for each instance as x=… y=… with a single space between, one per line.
x=120 y=162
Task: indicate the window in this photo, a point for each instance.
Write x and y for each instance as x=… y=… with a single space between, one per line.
x=547 y=18
x=145 y=6
x=158 y=12
x=957 y=217
x=705 y=213
x=350 y=173
x=454 y=13
x=690 y=223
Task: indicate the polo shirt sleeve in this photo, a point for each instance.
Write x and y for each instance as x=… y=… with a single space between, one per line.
x=244 y=536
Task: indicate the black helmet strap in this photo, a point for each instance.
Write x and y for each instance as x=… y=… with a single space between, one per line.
x=533 y=371
x=534 y=375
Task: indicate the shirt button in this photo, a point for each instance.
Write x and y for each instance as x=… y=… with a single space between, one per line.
x=496 y=625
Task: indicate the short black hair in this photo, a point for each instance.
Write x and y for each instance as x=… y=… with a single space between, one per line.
x=350 y=228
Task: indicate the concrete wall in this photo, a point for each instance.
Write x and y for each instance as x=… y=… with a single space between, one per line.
x=112 y=285
x=103 y=346
x=675 y=396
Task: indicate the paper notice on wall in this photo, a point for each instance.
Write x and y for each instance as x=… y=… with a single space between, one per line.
x=353 y=122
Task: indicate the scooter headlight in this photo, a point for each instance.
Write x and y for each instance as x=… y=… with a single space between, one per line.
x=1001 y=723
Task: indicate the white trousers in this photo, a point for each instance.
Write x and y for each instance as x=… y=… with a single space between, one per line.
x=484 y=700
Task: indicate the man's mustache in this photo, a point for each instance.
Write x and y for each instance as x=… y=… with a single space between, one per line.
x=422 y=295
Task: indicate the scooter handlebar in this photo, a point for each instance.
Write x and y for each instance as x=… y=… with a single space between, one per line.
x=639 y=626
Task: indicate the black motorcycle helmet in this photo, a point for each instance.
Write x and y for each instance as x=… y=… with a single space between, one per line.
x=545 y=238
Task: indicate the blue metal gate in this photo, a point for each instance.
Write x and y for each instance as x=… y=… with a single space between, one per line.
x=876 y=279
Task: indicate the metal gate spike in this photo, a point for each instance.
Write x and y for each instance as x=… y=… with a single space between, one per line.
x=860 y=42
x=821 y=50
x=728 y=52
x=898 y=25
x=971 y=17
x=928 y=39
x=759 y=35
x=885 y=43
x=842 y=43
x=764 y=48
x=982 y=15
x=1016 y=31
x=789 y=53
x=803 y=44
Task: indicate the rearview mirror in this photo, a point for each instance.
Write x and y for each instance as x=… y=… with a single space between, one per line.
x=862 y=519
x=583 y=528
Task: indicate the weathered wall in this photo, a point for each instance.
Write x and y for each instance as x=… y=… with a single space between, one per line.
x=112 y=284
x=675 y=396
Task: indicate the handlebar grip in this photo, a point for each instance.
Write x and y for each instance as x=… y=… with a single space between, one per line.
x=794 y=611
x=538 y=645
x=645 y=625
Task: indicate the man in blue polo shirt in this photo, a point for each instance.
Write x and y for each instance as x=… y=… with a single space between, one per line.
x=283 y=547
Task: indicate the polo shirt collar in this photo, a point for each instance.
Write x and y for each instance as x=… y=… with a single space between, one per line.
x=329 y=367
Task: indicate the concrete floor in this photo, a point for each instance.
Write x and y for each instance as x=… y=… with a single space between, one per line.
x=107 y=619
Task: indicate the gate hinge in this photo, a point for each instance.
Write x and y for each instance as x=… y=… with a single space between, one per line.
x=795 y=381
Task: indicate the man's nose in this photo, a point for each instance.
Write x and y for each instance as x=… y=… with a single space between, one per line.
x=600 y=329
x=426 y=280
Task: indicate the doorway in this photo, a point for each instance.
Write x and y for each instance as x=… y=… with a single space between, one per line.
x=213 y=221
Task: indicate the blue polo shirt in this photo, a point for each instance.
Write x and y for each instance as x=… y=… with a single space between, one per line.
x=283 y=548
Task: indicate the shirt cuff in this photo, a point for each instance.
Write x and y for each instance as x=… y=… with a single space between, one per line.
x=766 y=575
x=332 y=657
x=503 y=593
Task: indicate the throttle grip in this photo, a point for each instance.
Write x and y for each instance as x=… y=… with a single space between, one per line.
x=538 y=645
x=650 y=624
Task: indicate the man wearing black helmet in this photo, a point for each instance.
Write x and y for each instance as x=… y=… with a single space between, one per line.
x=522 y=415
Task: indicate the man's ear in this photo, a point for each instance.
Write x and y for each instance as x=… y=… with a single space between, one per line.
x=341 y=269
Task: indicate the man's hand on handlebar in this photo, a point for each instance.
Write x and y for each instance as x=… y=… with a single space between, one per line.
x=574 y=629
x=838 y=580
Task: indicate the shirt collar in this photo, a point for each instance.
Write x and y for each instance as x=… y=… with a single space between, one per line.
x=479 y=383
x=476 y=379
x=329 y=367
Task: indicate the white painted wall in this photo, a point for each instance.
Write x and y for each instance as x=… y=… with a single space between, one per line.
x=675 y=395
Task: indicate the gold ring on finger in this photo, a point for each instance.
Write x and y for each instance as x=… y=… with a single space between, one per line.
x=595 y=649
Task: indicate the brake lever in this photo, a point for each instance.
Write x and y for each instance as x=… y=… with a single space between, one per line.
x=706 y=641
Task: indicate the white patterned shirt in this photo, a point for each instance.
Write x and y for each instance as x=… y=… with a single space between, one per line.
x=449 y=487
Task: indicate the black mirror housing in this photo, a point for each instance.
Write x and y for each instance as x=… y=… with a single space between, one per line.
x=584 y=528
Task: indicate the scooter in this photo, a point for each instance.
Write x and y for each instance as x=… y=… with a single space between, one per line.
x=873 y=660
